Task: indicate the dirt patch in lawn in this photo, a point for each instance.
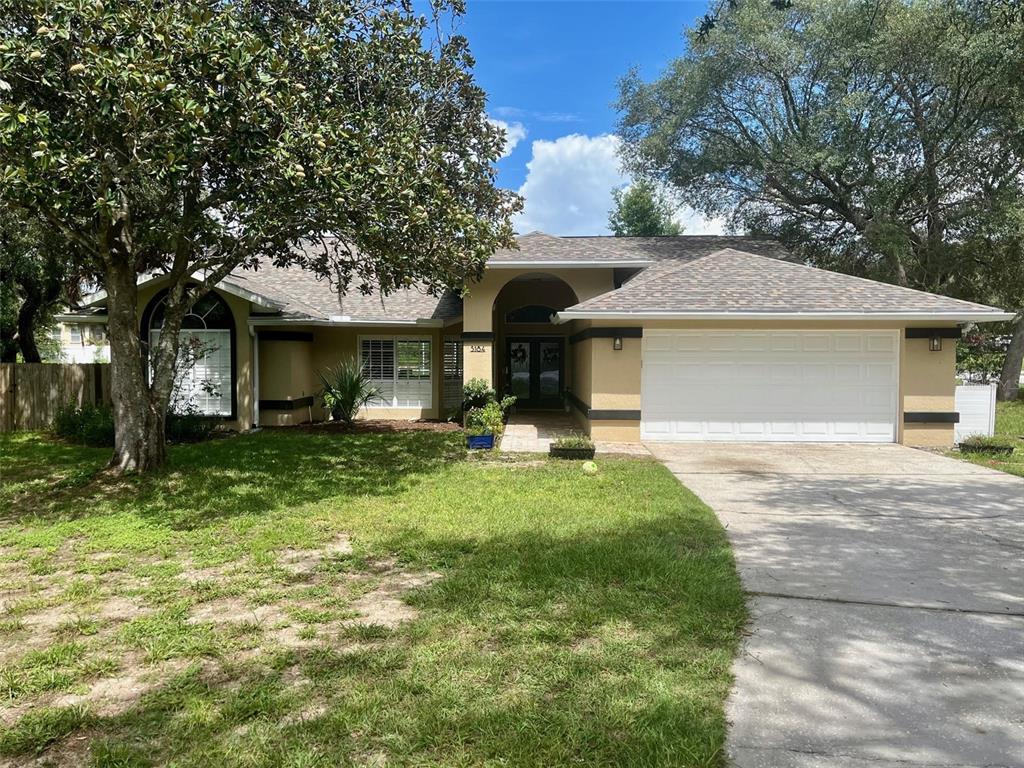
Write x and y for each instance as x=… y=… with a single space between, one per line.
x=378 y=426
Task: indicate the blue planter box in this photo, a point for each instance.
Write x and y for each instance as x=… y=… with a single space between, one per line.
x=485 y=442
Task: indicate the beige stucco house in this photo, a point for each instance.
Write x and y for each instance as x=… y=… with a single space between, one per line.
x=673 y=338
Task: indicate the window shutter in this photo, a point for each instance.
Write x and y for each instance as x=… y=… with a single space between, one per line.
x=378 y=358
x=452 y=389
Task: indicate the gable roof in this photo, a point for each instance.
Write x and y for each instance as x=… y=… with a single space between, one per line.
x=731 y=282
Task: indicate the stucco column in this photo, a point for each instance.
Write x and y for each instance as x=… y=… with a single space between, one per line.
x=478 y=334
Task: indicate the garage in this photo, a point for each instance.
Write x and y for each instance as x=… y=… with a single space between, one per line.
x=770 y=386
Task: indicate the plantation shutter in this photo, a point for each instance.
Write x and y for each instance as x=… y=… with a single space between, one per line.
x=378 y=357
x=452 y=391
x=205 y=387
x=400 y=369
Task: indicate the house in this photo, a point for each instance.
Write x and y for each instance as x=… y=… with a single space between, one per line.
x=670 y=338
x=81 y=342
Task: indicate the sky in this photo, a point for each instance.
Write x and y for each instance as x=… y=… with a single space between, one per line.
x=551 y=69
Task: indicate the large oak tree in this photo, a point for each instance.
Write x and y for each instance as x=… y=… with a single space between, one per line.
x=878 y=137
x=197 y=137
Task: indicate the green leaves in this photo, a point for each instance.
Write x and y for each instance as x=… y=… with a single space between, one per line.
x=874 y=142
x=339 y=120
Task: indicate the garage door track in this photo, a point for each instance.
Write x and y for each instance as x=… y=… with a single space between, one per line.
x=887 y=599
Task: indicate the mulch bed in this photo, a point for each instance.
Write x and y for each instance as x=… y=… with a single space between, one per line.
x=377 y=425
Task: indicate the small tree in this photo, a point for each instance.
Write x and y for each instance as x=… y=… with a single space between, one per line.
x=642 y=211
x=194 y=138
x=37 y=280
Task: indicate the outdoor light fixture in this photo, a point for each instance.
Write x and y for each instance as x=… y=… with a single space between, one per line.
x=935 y=343
x=617 y=343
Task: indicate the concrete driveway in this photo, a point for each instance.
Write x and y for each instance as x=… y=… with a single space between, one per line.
x=887 y=600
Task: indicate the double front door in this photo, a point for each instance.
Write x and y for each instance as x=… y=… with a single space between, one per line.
x=534 y=369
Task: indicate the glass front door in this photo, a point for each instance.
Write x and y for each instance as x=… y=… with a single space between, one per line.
x=534 y=370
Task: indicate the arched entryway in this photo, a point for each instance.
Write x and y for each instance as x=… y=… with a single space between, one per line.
x=530 y=351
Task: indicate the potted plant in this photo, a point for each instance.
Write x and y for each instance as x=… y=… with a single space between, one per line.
x=989 y=445
x=572 y=447
x=346 y=390
x=482 y=425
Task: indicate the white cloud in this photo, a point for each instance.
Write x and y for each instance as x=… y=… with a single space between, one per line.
x=568 y=189
x=514 y=133
x=695 y=223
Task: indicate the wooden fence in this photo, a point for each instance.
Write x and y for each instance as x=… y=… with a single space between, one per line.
x=32 y=393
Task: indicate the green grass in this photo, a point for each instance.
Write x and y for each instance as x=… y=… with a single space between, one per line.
x=551 y=618
x=1010 y=426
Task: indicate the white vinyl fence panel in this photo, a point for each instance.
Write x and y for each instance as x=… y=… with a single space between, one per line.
x=976 y=404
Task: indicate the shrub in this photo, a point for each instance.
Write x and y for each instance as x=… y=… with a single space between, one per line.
x=87 y=424
x=476 y=393
x=346 y=389
x=189 y=427
x=573 y=441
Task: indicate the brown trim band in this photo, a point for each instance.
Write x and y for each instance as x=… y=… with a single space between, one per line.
x=601 y=414
x=927 y=333
x=477 y=336
x=606 y=333
x=931 y=417
x=285 y=405
x=284 y=335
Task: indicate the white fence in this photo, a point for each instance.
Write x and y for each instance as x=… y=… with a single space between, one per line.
x=976 y=404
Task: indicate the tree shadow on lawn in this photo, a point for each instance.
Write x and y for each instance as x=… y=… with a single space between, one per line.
x=610 y=647
x=245 y=475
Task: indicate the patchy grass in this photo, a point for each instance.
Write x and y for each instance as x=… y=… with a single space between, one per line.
x=1009 y=425
x=307 y=599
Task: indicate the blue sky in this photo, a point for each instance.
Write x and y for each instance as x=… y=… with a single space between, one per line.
x=550 y=68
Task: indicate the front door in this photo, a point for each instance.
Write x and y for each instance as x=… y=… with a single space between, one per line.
x=533 y=371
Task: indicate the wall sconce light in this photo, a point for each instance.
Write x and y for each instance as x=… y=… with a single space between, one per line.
x=935 y=343
x=617 y=343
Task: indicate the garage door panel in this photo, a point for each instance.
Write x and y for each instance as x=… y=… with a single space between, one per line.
x=765 y=386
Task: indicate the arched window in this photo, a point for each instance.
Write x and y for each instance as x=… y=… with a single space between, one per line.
x=531 y=313
x=204 y=378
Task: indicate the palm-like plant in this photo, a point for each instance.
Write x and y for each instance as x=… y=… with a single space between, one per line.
x=346 y=389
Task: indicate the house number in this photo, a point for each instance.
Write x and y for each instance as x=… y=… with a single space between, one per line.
x=477 y=348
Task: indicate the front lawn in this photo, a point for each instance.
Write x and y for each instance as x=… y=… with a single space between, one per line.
x=1009 y=424
x=303 y=599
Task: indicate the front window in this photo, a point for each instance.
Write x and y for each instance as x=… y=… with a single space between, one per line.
x=202 y=376
x=399 y=369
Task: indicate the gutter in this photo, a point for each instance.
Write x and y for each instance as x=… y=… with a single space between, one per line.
x=950 y=317
x=343 y=321
x=568 y=264
x=255 y=377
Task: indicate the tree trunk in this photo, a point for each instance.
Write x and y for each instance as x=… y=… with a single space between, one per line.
x=27 y=329
x=1009 y=378
x=8 y=344
x=139 y=415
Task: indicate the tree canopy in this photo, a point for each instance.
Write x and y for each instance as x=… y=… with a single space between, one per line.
x=642 y=211
x=193 y=138
x=879 y=138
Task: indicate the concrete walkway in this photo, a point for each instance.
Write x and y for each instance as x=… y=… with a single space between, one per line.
x=887 y=599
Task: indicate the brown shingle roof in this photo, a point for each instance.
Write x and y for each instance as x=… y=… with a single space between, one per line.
x=303 y=295
x=538 y=247
x=730 y=281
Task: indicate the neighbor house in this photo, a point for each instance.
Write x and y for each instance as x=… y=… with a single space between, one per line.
x=668 y=338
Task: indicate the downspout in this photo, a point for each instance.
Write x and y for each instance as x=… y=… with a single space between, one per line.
x=255 y=377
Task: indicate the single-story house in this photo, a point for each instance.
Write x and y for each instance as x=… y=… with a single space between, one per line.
x=660 y=338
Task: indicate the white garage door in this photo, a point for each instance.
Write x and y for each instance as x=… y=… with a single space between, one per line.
x=832 y=386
